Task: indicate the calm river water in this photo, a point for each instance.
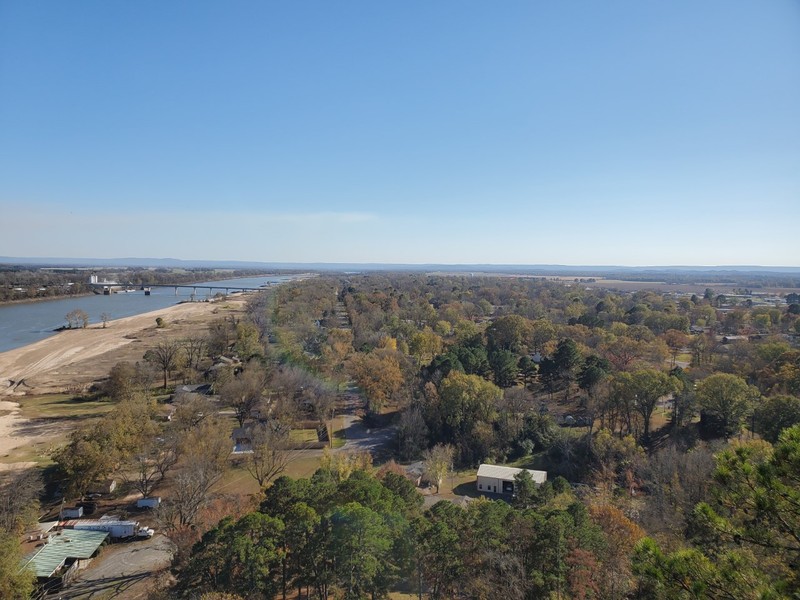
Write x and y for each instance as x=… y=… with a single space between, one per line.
x=23 y=324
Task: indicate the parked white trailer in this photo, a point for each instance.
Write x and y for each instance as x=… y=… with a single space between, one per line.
x=148 y=502
x=117 y=529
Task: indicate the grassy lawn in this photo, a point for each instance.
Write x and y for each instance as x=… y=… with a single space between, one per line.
x=303 y=435
x=339 y=438
x=51 y=418
x=338 y=426
x=38 y=453
x=537 y=462
x=302 y=467
x=237 y=481
x=62 y=406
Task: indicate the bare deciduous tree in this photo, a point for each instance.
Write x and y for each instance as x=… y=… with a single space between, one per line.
x=221 y=334
x=77 y=318
x=19 y=500
x=166 y=356
x=243 y=392
x=271 y=453
x=150 y=464
x=412 y=433
x=206 y=450
x=190 y=411
x=194 y=347
x=438 y=462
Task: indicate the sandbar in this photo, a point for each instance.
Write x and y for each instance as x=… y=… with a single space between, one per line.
x=73 y=360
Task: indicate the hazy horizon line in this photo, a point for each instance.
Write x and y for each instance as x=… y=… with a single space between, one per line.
x=162 y=261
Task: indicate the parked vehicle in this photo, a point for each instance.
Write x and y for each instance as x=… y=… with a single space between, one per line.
x=148 y=502
x=117 y=529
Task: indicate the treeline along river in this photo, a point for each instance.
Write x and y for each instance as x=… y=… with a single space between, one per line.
x=23 y=324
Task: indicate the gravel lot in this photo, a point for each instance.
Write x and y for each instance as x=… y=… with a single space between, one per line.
x=122 y=570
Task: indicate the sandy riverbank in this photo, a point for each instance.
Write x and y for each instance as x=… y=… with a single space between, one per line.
x=73 y=360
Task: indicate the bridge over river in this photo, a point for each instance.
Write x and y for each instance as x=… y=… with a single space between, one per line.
x=109 y=287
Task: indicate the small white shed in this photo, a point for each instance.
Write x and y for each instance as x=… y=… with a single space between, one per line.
x=72 y=513
x=496 y=479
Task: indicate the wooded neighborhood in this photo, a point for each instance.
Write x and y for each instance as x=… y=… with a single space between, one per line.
x=631 y=444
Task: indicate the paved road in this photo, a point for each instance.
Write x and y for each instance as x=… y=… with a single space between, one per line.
x=120 y=567
x=358 y=436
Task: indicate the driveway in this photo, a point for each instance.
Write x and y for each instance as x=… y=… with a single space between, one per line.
x=360 y=438
x=122 y=570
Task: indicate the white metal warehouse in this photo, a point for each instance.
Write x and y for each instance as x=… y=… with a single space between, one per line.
x=494 y=479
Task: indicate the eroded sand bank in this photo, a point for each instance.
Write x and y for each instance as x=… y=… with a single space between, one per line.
x=73 y=360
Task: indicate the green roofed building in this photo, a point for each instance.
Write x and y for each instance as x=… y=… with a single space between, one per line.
x=65 y=552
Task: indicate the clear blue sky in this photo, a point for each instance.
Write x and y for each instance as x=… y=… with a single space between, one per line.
x=606 y=132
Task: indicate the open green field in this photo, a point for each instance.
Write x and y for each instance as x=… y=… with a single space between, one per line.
x=37 y=453
x=62 y=406
x=303 y=436
x=238 y=481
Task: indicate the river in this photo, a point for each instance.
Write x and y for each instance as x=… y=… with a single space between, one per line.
x=25 y=323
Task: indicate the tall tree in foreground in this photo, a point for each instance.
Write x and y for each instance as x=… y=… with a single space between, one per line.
x=440 y=562
x=206 y=449
x=775 y=414
x=758 y=501
x=359 y=540
x=236 y=556
x=748 y=537
x=15 y=583
x=19 y=499
x=689 y=574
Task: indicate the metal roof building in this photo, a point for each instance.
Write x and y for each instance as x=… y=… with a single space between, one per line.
x=497 y=479
x=67 y=544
